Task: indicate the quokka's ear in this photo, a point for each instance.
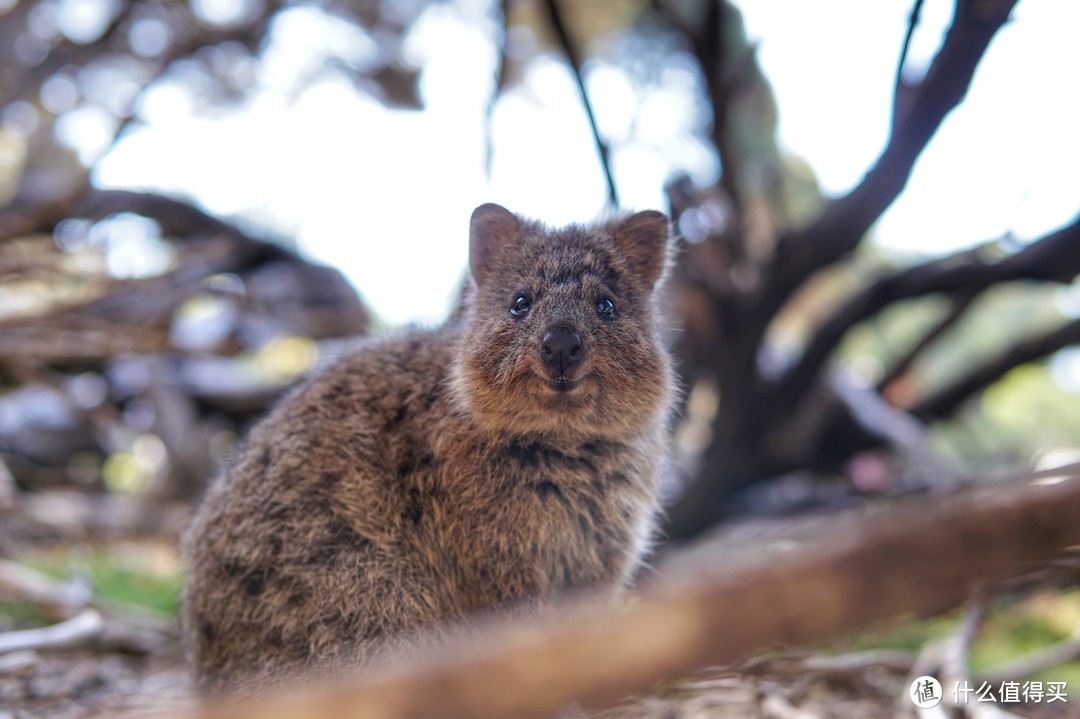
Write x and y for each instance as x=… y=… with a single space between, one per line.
x=643 y=240
x=491 y=228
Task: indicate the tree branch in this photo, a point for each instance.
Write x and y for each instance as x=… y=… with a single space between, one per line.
x=177 y=218
x=846 y=220
x=501 y=80
x=101 y=326
x=710 y=48
x=900 y=87
x=946 y=400
x=80 y=628
x=572 y=57
x=18 y=221
x=1052 y=258
x=958 y=308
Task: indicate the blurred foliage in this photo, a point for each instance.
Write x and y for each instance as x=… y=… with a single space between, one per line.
x=910 y=636
x=1027 y=416
x=1037 y=622
x=1019 y=419
x=1009 y=630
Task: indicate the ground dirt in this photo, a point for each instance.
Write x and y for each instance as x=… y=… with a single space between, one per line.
x=66 y=684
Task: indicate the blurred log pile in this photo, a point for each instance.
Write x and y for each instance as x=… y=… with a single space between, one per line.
x=139 y=334
x=140 y=385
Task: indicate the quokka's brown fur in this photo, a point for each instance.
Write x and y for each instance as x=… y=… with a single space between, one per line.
x=489 y=464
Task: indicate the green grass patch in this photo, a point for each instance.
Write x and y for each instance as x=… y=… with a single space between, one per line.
x=1009 y=631
x=148 y=577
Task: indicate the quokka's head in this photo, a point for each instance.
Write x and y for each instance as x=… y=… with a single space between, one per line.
x=559 y=333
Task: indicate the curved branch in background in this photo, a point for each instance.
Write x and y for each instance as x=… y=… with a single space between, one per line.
x=844 y=222
x=572 y=56
x=1051 y=259
x=709 y=45
x=900 y=87
x=501 y=80
x=945 y=401
x=101 y=326
x=16 y=222
x=177 y=217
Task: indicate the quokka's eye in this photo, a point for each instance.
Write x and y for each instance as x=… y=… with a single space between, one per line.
x=606 y=309
x=521 y=306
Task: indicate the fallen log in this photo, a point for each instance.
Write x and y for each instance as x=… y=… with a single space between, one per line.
x=917 y=556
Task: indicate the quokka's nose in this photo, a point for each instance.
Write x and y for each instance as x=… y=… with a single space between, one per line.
x=561 y=347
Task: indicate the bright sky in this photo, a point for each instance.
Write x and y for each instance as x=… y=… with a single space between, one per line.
x=386 y=195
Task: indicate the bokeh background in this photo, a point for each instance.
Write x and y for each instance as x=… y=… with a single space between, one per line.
x=877 y=203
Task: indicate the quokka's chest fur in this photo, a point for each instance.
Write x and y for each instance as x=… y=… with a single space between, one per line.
x=531 y=519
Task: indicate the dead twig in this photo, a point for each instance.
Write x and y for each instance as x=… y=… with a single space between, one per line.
x=83 y=627
x=836 y=665
x=64 y=600
x=558 y=23
x=775 y=706
x=899 y=86
x=58 y=599
x=956 y=650
x=956 y=669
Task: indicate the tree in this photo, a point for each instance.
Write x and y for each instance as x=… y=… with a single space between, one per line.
x=757 y=238
x=772 y=421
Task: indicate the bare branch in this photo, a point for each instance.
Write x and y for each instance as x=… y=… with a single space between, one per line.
x=956 y=652
x=836 y=665
x=16 y=222
x=904 y=434
x=58 y=599
x=177 y=218
x=946 y=400
x=80 y=628
x=501 y=80
x=572 y=57
x=900 y=87
x=845 y=220
x=1052 y=259
x=958 y=308
x=709 y=46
